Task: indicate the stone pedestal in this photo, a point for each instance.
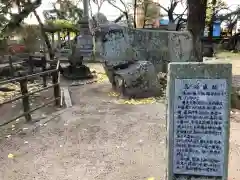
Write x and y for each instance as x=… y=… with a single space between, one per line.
x=139 y=80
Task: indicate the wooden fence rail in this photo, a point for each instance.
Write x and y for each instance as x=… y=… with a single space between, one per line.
x=54 y=71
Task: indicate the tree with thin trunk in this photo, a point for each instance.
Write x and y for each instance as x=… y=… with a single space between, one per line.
x=147 y=12
x=68 y=11
x=196 y=25
x=125 y=9
x=47 y=41
x=172 y=16
x=99 y=4
x=170 y=10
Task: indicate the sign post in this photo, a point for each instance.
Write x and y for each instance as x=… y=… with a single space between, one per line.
x=198 y=120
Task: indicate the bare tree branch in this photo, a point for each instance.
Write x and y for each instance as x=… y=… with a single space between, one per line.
x=165 y=9
x=224 y=17
x=181 y=15
x=124 y=5
x=99 y=4
x=110 y=2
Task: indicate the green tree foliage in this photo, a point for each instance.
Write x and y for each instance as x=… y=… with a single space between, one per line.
x=68 y=11
x=214 y=10
x=10 y=21
x=60 y=25
x=4 y=12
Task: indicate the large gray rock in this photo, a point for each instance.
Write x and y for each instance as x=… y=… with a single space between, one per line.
x=139 y=80
x=134 y=57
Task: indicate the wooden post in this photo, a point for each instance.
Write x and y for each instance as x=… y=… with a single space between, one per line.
x=53 y=41
x=44 y=66
x=57 y=91
x=31 y=65
x=25 y=100
x=11 y=66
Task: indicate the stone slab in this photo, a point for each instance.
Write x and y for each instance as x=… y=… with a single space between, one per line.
x=198 y=107
x=67 y=97
x=120 y=44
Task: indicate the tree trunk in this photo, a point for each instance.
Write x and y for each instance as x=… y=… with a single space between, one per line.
x=18 y=3
x=211 y=23
x=210 y=34
x=196 y=25
x=134 y=13
x=47 y=41
x=170 y=16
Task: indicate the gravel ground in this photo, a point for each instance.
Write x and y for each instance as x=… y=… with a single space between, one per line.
x=97 y=139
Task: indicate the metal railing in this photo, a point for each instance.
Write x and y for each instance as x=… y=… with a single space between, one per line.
x=23 y=81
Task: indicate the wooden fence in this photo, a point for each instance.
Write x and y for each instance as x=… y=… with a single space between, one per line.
x=23 y=81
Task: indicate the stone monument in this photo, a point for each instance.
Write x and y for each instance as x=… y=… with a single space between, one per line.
x=134 y=57
x=198 y=107
x=83 y=47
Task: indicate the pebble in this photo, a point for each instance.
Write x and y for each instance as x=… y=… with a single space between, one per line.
x=8 y=136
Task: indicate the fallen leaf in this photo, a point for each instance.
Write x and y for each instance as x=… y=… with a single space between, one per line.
x=11 y=156
x=151 y=178
x=101 y=77
x=113 y=94
x=137 y=101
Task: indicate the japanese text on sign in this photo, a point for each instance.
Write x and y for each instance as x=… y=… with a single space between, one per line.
x=199 y=117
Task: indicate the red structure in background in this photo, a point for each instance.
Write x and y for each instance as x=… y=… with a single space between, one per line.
x=16 y=48
x=156 y=23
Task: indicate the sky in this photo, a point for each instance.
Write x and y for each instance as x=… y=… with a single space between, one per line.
x=111 y=12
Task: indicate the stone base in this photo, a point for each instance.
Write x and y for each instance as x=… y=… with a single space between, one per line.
x=6 y=71
x=138 y=80
x=77 y=73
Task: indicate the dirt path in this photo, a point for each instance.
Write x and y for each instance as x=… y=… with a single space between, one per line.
x=97 y=139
